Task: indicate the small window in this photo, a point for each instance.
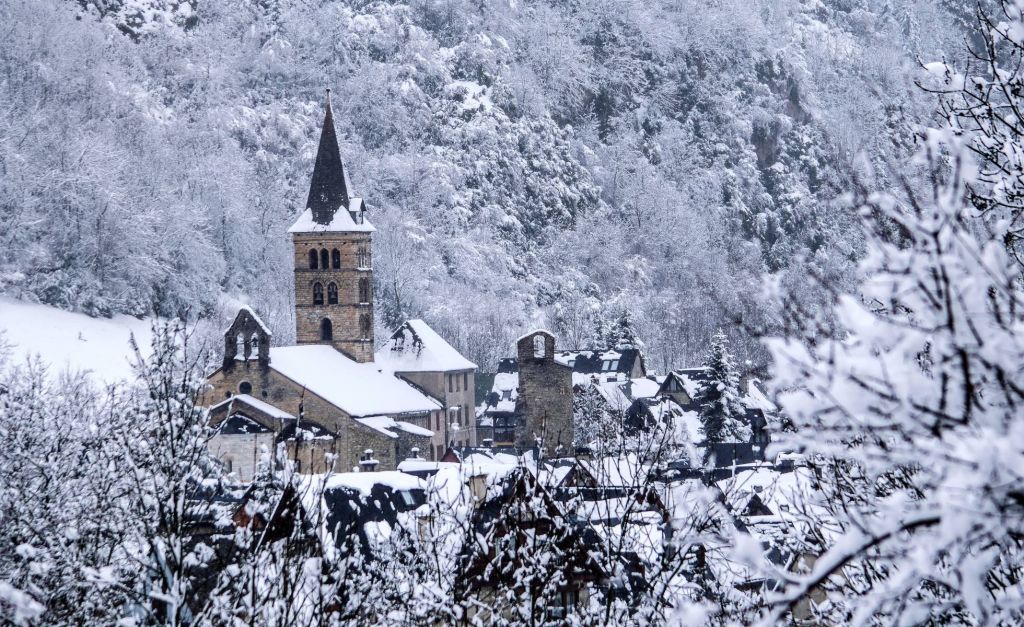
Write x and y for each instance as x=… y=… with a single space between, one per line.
x=332 y=294
x=364 y=290
x=326 y=330
x=465 y=381
x=318 y=294
x=245 y=387
x=227 y=465
x=336 y=259
x=312 y=260
x=324 y=261
x=539 y=350
x=364 y=326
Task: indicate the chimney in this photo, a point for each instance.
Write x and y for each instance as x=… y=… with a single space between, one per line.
x=368 y=463
x=415 y=453
x=488 y=442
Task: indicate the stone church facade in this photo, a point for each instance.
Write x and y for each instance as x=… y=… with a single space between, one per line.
x=324 y=401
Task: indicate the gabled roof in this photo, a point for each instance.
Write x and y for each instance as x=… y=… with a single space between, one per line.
x=240 y=424
x=328 y=189
x=239 y=400
x=597 y=362
x=358 y=389
x=415 y=347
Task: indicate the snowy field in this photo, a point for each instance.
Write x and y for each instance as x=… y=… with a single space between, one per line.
x=72 y=342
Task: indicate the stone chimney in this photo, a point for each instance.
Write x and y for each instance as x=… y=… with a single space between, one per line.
x=368 y=463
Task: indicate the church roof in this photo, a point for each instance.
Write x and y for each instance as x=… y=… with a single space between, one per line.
x=415 y=347
x=341 y=222
x=358 y=389
x=328 y=189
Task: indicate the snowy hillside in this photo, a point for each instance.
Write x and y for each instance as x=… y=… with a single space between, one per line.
x=72 y=342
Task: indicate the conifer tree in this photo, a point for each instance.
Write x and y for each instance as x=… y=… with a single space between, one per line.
x=721 y=411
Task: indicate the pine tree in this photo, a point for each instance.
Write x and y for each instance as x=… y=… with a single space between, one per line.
x=623 y=333
x=721 y=411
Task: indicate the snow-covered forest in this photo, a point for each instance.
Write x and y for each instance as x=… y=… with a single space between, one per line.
x=567 y=160
x=805 y=216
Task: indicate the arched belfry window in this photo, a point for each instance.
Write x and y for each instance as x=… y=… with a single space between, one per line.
x=336 y=259
x=332 y=294
x=318 y=294
x=539 y=350
x=326 y=329
x=312 y=260
x=324 y=261
x=364 y=326
x=364 y=290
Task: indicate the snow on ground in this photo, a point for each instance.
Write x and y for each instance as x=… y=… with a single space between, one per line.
x=72 y=342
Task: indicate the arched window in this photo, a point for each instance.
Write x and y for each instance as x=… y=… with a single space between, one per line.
x=364 y=325
x=332 y=294
x=318 y=294
x=254 y=341
x=364 y=290
x=336 y=259
x=240 y=346
x=539 y=349
x=245 y=387
x=323 y=259
x=312 y=260
x=326 y=329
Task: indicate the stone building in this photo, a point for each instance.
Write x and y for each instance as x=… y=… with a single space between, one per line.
x=325 y=400
x=419 y=355
x=545 y=396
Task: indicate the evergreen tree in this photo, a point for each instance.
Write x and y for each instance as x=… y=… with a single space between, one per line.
x=623 y=332
x=721 y=411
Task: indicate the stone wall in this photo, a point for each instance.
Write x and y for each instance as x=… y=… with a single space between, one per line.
x=348 y=337
x=241 y=452
x=545 y=396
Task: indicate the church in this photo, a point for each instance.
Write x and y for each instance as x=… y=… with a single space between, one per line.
x=331 y=401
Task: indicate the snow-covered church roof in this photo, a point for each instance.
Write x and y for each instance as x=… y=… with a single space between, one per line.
x=358 y=389
x=329 y=208
x=415 y=347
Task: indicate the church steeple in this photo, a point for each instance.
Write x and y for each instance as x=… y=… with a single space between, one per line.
x=328 y=191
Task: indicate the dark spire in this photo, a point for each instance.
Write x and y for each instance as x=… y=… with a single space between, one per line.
x=327 y=190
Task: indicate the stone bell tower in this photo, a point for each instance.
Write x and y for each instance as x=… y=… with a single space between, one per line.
x=333 y=265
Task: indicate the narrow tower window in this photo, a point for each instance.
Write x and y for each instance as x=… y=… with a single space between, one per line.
x=312 y=260
x=324 y=262
x=539 y=350
x=364 y=290
x=326 y=329
x=364 y=326
x=318 y=294
x=332 y=294
x=336 y=259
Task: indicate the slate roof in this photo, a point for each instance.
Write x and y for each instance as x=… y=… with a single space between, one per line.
x=597 y=362
x=328 y=189
x=240 y=424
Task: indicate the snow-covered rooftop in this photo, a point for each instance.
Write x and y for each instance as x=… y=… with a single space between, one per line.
x=364 y=481
x=255 y=403
x=415 y=347
x=388 y=426
x=358 y=389
x=342 y=222
x=247 y=309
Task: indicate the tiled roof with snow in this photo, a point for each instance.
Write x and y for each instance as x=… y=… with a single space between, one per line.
x=358 y=389
x=388 y=426
x=245 y=399
x=342 y=221
x=598 y=362
x=415 y=347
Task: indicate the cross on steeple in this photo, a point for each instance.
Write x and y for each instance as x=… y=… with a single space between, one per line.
x=328 y=191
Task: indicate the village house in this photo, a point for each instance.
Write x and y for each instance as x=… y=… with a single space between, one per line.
x=416 y=353
x=325 y=399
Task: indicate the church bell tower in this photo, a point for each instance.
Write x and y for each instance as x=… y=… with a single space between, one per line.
x=333 y=264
